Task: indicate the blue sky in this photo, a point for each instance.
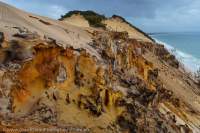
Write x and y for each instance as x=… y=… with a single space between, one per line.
x=149 y=15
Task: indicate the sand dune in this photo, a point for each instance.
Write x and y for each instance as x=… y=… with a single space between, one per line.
x=115 y=24
x=77 y=20
x=112 y=24
x=65 y=34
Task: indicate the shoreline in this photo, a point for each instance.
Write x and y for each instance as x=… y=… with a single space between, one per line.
x=182 y=65
x=189 y=62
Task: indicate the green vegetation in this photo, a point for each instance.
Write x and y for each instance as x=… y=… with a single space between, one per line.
x=94 y=19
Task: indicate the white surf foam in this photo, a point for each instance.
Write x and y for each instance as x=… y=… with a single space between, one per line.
x=190 y=62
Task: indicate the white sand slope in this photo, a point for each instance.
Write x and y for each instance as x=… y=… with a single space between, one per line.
x=77 y=20
x=65 y=34
x=115 y=24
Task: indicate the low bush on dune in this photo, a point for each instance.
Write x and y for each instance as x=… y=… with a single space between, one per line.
x=94 y=19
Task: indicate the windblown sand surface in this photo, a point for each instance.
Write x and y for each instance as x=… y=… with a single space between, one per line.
x=65 y=34
x=77 y=20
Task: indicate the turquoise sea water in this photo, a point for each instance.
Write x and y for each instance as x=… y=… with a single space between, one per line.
x=186 y=47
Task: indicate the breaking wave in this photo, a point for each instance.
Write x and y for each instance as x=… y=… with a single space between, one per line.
x=190 y=62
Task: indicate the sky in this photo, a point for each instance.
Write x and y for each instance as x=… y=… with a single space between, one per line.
x=149 y=15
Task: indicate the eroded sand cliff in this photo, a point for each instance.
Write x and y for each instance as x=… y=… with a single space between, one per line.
x=86 y=79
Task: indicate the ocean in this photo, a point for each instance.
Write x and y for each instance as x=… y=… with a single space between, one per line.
x=185 y=46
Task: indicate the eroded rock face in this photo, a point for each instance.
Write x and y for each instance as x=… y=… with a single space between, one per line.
x=44 y=110
x=26 y=35
x=5 y=102
x=62 y=74
x=58 y=86
x=44 y=114
x=5 y=91
x=162 y=53
x=15 y=51
x=1 y=37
